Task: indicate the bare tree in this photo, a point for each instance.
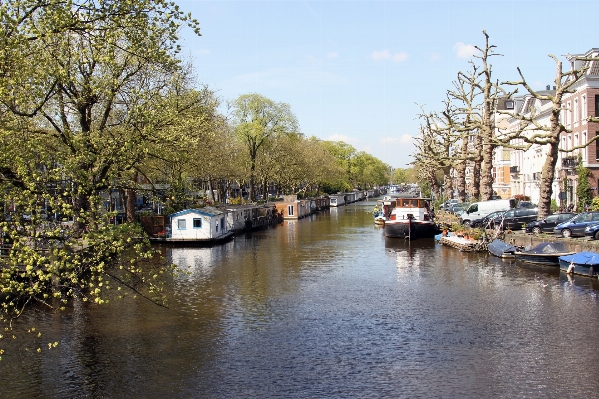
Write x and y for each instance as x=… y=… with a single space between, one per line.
x=436 y=145
x=531 y=131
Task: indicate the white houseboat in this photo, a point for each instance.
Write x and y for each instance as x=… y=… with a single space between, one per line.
x=205 y=225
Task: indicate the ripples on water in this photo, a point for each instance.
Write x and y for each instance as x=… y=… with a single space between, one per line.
x=327 y=307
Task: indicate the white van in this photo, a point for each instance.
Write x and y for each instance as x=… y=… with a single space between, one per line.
x=479 y=210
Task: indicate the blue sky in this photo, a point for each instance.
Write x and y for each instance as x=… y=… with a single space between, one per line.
x=357 y=71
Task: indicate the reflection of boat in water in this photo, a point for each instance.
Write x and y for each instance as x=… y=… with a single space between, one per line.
x=410 y=218
x=392 y=244
x=546 y=253
x=578 y=281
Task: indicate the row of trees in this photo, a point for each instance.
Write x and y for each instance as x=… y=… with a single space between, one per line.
x=466 y=132
x=94 y=97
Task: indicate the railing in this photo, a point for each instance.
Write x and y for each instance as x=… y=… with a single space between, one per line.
x=569 y=162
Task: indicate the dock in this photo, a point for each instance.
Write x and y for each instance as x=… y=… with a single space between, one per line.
x=463 y=244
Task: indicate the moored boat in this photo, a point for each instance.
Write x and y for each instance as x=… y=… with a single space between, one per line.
x=584 y=263
x=546 y=253
x=501 y=249
x=411 y=219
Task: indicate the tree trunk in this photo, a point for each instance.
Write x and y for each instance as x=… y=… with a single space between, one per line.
x=447 y=183
x=486 y=183
x=476 y=168
x=546 y=189
x=209 y=192
x=461 y=171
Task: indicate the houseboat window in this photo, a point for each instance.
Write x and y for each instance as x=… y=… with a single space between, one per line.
x=197 y=223
x=181 y=224
x=222 y=223
x=290 y=210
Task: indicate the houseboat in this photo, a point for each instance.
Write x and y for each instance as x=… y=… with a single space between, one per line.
x=337 y=200
x=252 y=217
x=292 y=208
x=410 y=218
x=205 y=225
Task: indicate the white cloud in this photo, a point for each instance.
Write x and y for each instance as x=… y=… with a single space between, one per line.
x=342 y=137
x=332 y=55
x=400 y=57
x=385 y=54
x=380 y=55
x=389 y=140
x=404 y=139
x=464 y=50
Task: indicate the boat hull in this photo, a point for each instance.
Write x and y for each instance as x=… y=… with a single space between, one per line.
x=583 y=263
x=501 y=249
x=410 y=229
x=584 y=270
x=541 y=259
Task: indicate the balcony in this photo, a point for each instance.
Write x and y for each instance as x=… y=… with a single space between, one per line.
x=569 y=162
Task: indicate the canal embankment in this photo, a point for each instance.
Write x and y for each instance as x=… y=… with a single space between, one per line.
x=577 y=244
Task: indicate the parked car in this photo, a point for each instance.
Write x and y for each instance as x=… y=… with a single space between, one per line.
x=548 y=224
x=481 y=209
x=516 y=219
x=487 y=221
x=592 y=231
x=447 y=204
x=525 y=204
x=576 y=225
x=456 y=208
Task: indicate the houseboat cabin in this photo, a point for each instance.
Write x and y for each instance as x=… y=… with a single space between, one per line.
x=201 y=225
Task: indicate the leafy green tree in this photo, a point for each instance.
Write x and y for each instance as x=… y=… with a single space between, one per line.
x=258 y=120
x=583 y=188
x=82 y=84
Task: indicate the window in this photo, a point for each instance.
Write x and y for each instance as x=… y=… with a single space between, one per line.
x=596 y=147
x=197 y=223
x=583 y=108
x=569 y=145
x=596 y=104
x=575 y=111
x=290 y=210
x=222 y=223
x=552 y=218
x=568 y=113
x=509 y=104
x=181 y=224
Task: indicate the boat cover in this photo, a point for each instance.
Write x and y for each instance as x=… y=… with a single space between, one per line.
x=498 y=248
x=548 y=248
x=582 y=258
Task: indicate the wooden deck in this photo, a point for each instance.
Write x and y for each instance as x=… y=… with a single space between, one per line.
x=462 y=244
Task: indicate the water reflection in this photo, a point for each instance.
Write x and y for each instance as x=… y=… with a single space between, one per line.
x=327 y=306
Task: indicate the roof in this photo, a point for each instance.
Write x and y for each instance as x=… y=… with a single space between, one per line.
x=207 y=211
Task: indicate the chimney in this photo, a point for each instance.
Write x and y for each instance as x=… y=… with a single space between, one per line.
x=553 y=87
x=547 y=87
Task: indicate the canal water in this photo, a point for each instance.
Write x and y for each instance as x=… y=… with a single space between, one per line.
x=326 y=307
